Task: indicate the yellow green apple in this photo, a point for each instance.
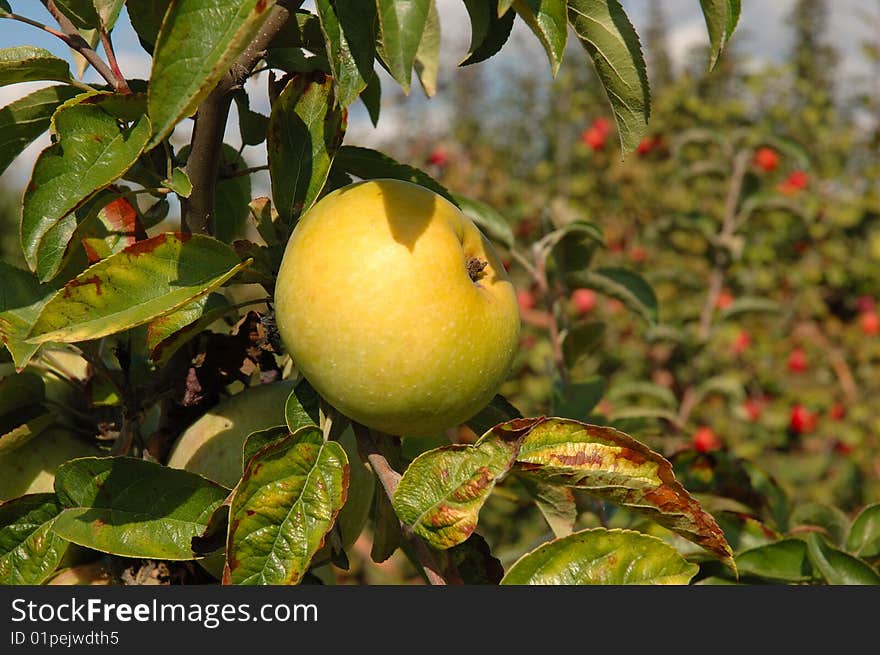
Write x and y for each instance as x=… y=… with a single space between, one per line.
x=212 y=446
x=30 y=467
x=396 y=308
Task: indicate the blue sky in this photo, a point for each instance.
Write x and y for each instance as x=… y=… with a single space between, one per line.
x=763 y=32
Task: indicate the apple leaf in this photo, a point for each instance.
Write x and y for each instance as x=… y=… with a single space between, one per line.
x=427 y=60
x=785 y=561
x=838 y=567
x=556 y=503
x=348 y=28
x=146 y=19
x=471 y=563
x=721 y=19
x=580 y=341
x=258 y=440
x=283 y=507
x=499 y=410
x=304 y=134
x=196 y=45
x=21 y=299
x=864 y=534
x=22 y=414
x=490 y=221
x=133 y=508
x=302 y=407
x=401 y=25
x=370 y=164
x=625 y=285
x=548 y=20
x=600 y=556
x=91 y=152
x=611 y=41
x=30 y=64
x=144 y=281
x=29 y=550
x=25 y=119
x=615 y=467
x=490 y=29
x=577 y=399
x=442 y=491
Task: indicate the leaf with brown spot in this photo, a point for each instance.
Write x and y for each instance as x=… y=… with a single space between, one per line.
x=283 y=508
x=615 y=467
x=442 y=491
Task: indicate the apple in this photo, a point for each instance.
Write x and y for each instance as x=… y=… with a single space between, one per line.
x=438 y=156
x=797 y=361
x=396 y=308
x=584 y=300
x=837 y=412
x=95 y=573
x=724 y=300
x=705 y=439
x=593 y=138
x=869 y=321
x=766 y=159
x=30 y=467
x=212 y=446
x=741 y=342
x=796 y=181
x=802 y=420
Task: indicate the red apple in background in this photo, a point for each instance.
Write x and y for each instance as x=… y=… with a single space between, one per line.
x=796 y=181
x=584 y=300
x=870 y=323
x=802 y=420
x=837 y=412
x=638 y=254
x=865 y=304
x=705 y=439
x=741 y=343
x=593 y=138
x=438 y=156
x=797 y=361
x=766 y=159
x=724 y=300
x=754 y=406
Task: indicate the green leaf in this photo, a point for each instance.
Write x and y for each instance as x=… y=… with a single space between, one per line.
x=661 y=394
x=304 y=134
x=179 y=183
x=197 y=44
x=401 y=24
x=721 y=19
x=491 y=222
x=472 y=563
x=548 y=20
x=442 y=491
x=81 y=13
x=283 y=507
x=133 y=508
x=370 y=164
x=348 y=28
x=749 y=305
x=499 y=410
x=610 y=39
x=600 y=556
x=29 y=550
x=615 y=467
x=110 y=224
x=91 y=152
x=427 y=60
x=577 y=399
x=21 y=299
x=828 y=518
x=146 y=280
x=303 y=407
x=864 y=535
x=30 y=64
x=556 y=503
x=784 y=560
x=580 y=341
x=490 y=30
x=146 y=19
x=371 y=96
x=626 y=286
x=387 y=535
x=168 y=333
x=837 y=567
x=258 y=440
x=25 y=119
x=252 y=125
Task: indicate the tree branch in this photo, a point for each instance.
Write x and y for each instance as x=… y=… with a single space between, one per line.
x=389 y=478
x=71 y=36
x=207 y=141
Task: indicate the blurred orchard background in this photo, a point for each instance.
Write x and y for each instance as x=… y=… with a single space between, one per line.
x=752 y=210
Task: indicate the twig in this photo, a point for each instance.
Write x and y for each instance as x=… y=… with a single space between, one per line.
x=204 y=158
x=540 y=276
x=114 y=65
x=244 y=171
x=71 y=36
x=389 y=478
x=728 y=229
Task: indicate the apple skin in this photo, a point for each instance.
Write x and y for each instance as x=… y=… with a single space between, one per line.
x=376 y=306
x=30 y=467
x=212 y=446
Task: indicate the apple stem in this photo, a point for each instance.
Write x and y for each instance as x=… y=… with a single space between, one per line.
x=475 y=267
